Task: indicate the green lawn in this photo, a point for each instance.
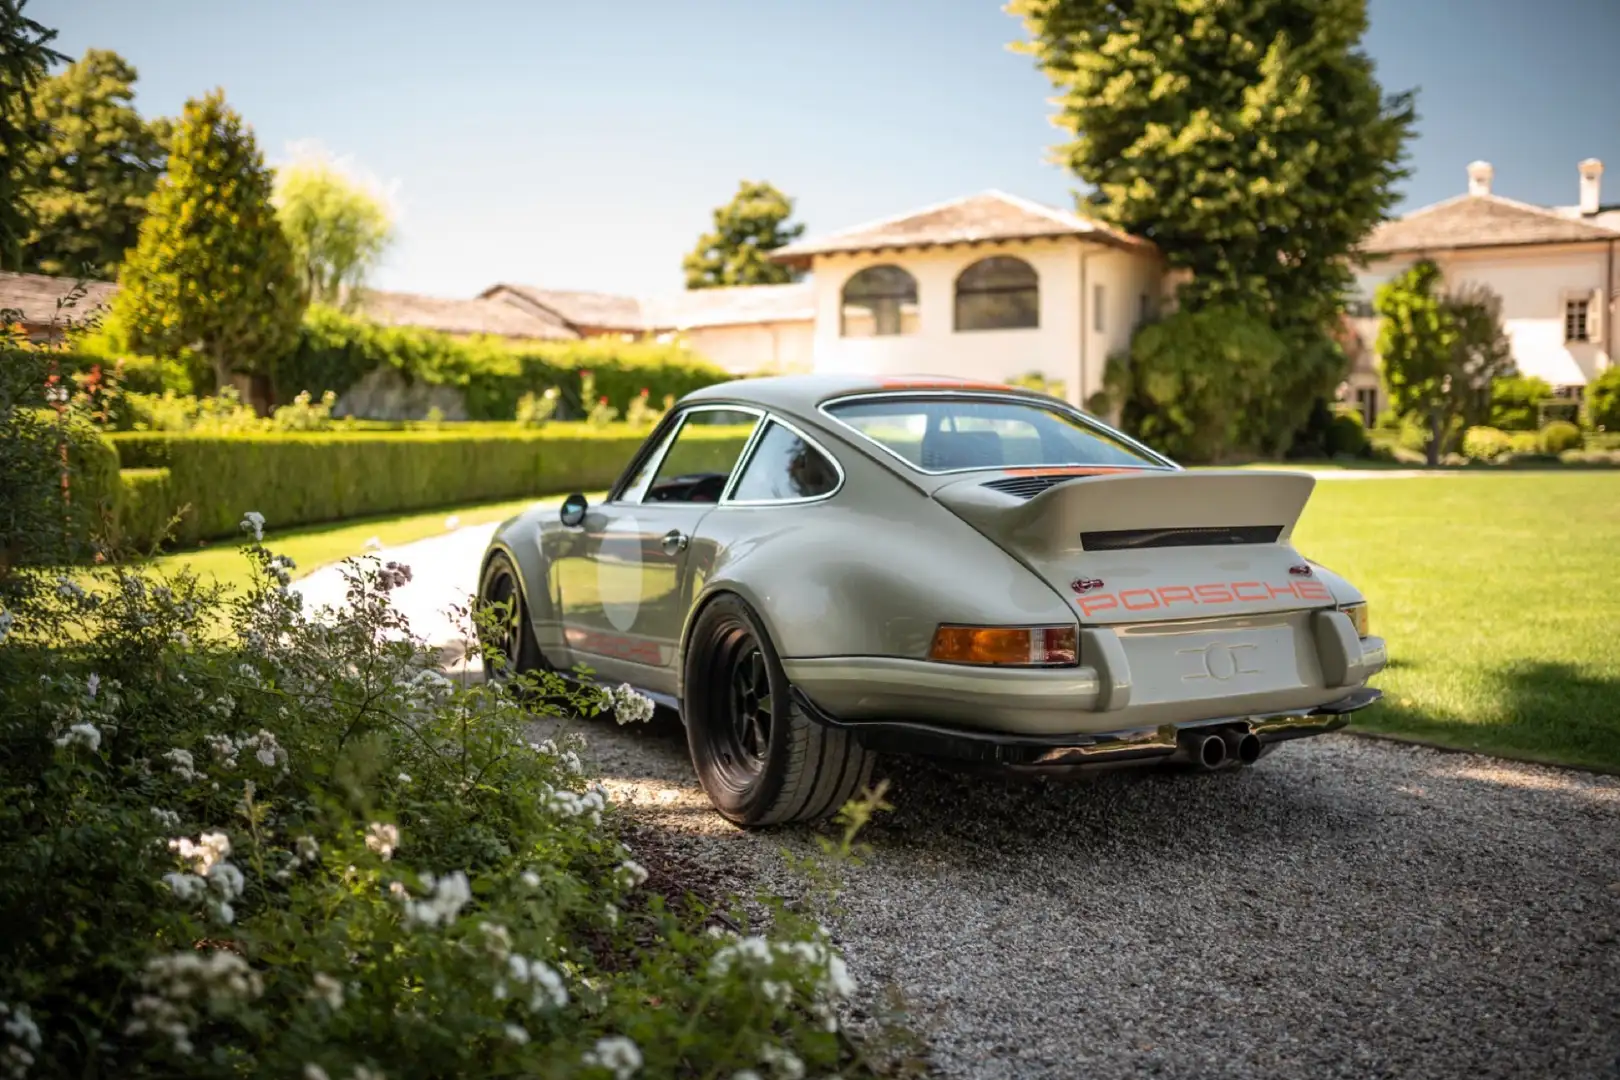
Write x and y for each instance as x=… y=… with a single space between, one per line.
x=1499 y=597
x=314 y=546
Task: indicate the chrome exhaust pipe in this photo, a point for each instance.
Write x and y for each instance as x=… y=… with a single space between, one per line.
x=1205 y=750
x=1243 y=747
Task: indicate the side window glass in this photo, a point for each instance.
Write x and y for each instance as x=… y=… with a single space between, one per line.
x=784 y=466
x=700 y=460
x=637 y=487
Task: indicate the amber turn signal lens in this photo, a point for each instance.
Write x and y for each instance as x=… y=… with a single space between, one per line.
x=1021 y=646
x=1358 y=618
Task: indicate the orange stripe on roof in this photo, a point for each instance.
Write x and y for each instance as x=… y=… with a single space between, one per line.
x=939 y=384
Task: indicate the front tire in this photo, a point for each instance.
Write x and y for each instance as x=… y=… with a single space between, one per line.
x=759 y=758
x=513 y=636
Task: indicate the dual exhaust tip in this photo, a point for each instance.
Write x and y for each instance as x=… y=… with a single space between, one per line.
x=1213 y=749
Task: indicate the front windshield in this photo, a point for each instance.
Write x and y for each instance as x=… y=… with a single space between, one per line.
x=940 y=434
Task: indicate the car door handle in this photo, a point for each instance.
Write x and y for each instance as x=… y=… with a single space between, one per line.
x=674 y=542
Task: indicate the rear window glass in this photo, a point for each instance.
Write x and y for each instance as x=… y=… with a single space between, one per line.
x=939 y=434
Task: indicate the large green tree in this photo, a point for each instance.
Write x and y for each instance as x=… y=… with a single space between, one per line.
x=1248 y=139
x=213 y=272
x=1440 y=352
x=26 y=57
x=746 y=230
x=91 y=174
x=338 y=228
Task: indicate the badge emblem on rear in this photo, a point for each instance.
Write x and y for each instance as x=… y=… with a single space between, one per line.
x=1302 y=570
x=1085 y=584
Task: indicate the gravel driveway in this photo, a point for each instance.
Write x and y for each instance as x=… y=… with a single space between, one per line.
x=1346 y=908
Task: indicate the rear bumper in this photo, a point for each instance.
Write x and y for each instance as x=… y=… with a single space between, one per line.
x=1145 y=745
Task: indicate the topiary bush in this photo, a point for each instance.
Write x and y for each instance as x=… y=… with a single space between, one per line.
x=1515 y=402
x=1485 y=444
x=1347 y=435
x=1559 y=436
x=1603 y=401
x=242 y=839
x=145 y=506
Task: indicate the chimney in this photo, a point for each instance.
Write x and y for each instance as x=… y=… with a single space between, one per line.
x=1479 y=178
x=1591 y=174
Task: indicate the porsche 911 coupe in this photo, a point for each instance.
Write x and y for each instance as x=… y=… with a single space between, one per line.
x=816 y=569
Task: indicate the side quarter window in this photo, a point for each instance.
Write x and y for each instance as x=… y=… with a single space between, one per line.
x=699 y=462
x=784 y=467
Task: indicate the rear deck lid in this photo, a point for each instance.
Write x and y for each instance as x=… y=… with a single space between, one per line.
x=1140 y=545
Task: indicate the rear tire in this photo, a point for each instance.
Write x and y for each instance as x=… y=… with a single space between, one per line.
x=514 y=637
x=759 y=758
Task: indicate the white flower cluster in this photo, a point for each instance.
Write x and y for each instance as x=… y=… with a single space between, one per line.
x=68 y=589
x=382 y=838
x=784 y=1063
x=313 y=1071
x=168 y=819
x=615 y=1053
x=213 y=879
x=630 y=706
x=630 y=874
x=253 y=522
x=184 y=766
x=264 y=747
x=278 y=567
x=87 y=734
x=545 y=986
x=755 y=955
x=7 y=621
x=325 y=988
x=572 y=804
x=23 y=1039
x=177 y=984
x=446 y=897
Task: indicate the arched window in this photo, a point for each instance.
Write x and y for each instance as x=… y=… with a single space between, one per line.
x=878 y=302
x=998 y=293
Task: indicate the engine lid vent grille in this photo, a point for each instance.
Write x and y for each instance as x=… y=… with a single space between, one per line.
x=1026 y=487
x=1190 y=536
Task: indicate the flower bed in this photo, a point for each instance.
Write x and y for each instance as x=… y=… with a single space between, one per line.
x=270 y=844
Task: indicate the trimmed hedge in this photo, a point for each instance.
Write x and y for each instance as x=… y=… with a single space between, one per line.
x=336 y=350
x=145 y=505
x=295 y=479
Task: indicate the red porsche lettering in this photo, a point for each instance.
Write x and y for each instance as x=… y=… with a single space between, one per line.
x=1215 y=593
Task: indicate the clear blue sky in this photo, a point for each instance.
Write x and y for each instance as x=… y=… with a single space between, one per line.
x=583 y=145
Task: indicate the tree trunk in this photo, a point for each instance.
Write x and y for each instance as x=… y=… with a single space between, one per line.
x=222 y=374
x=1437 y=427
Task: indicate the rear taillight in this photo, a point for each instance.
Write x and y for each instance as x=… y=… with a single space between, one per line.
x=1011 y=646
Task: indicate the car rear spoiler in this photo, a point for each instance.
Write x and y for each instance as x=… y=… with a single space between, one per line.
x=1144 y=508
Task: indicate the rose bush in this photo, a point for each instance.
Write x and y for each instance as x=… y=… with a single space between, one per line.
x=242 y=839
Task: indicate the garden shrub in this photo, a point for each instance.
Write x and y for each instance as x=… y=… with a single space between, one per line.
x=1524 y=442
x=1603 y=401
x=145 y=505
x=1603 y=440
x=1346 y=435
x=335 y=350
x=1590 y=457
x=238 y=839
x=1485 y=443
x=1559 y=436
x=1515 y=402
x=302 y=478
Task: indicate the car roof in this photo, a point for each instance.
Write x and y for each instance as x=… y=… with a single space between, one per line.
x=802 y=393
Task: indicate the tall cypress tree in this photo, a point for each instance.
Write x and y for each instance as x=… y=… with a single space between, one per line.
x=213 y=271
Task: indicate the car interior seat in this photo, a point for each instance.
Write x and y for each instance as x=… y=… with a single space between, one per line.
x=962 y=450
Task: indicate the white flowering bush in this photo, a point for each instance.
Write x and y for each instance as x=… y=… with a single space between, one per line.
x=240 y=839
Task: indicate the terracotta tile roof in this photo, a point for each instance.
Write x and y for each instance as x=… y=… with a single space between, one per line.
x=1472 y=221
x=35 y=295
x=732 y=306
x=606 y=311
x=686 y=310
x=990 y=215
x=457 y=316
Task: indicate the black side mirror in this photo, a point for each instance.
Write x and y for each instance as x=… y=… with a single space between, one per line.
x=573 y=510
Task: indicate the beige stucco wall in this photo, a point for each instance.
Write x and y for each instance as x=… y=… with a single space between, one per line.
x=1533 y=283
x=749 y=349
x=1066 y=336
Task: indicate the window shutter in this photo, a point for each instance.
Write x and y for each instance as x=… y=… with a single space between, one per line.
x=1595 y=311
